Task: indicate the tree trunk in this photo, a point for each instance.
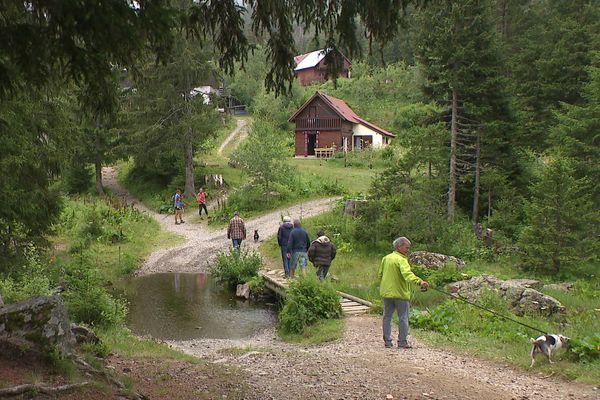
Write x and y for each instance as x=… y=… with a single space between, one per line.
x=189 y=165
x=477 y=189
x=453 y=140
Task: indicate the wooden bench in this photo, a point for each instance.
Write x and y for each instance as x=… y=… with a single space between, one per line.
x=324 y=152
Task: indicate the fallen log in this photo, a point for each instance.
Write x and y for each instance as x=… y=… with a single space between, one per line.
x=39 y=388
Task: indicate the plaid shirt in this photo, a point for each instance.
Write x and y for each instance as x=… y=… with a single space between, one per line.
x=237 y=229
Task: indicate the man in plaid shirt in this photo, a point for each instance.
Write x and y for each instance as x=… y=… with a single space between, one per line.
x=236 y=230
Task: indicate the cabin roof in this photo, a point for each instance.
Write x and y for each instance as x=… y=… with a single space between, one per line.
x=340 y=107
x=312 y=59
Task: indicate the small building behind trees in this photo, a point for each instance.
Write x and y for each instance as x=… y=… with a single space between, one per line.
x=325 y=123
x=312 y=67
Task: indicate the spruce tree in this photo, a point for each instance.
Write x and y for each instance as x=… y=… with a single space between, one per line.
x=461 y=54
x=561 y=223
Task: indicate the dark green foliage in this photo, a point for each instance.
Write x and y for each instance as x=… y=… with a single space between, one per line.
x=87 y=300
x=307 y=301
x=77 y=176
x=236 y=267
x=586 y=349
x=561 y=223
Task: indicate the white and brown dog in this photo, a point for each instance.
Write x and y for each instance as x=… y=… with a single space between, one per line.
x=547 y=344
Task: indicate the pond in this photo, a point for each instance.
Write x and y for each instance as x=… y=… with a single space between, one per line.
x=178 y=306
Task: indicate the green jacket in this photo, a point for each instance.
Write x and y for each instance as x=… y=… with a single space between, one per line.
x=395 y=276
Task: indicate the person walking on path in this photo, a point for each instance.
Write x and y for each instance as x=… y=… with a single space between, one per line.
x=297 y=247
x=236 y=230
x=201 y=198
x=283 y=236
x=396 y=276
x=321 y=253
x=178 y=204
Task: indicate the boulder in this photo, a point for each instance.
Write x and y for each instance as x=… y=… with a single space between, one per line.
x=519 y=293
x=40 y=324
x=434 y=260
x=243 y=291
x=83 y=334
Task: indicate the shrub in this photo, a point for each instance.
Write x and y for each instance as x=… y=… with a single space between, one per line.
x=33 y=281
x=440 y=277
x=236 y=267
x=307 y=301
x=88 y=301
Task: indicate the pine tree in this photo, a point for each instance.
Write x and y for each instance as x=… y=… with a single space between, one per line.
x=560 y=219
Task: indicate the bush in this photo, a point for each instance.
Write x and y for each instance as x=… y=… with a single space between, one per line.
x=33 y=281
x=307 y=301
x=447 y=274
x=236 y=267
x=88 y=301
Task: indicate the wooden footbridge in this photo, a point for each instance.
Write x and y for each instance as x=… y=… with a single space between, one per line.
x=351 y=305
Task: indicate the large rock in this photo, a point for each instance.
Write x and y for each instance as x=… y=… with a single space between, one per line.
x=434 y=260
x=520 y=294
x=39 y=324
x=243 y=291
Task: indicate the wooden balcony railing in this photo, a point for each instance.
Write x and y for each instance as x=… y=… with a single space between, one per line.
x=318 y=123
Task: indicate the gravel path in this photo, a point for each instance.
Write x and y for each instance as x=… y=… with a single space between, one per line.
x=202 y=244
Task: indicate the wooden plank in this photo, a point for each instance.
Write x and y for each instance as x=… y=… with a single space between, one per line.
x=355 y=308
x=357 y=299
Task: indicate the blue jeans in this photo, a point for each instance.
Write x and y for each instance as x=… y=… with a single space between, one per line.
x=286 y=261
x=299 y=256
x=401 y=307
x=236 y=243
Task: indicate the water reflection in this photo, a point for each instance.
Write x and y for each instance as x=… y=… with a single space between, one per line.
x=186 y=306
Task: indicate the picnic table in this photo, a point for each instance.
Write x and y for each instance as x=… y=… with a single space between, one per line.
x=324 y=152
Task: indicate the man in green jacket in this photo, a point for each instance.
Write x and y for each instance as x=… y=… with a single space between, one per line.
x=395 y=276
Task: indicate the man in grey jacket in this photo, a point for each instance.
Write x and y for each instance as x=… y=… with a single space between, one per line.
x=321 y=253
x=283 y=236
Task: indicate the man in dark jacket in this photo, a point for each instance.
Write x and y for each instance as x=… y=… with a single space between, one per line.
x=321 y=253
x=283 y=235
x=297 y=247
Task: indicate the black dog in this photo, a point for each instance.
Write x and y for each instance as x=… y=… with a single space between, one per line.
x=256 y=235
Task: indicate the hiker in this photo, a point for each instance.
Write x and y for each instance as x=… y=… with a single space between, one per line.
x=201 y=198
x=178 y=204
x=236 y=230
x=321 y=253
x=396 y=276
x=297 y=247
x=283 y=235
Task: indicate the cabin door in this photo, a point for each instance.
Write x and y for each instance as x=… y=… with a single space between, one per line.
x=311 y=143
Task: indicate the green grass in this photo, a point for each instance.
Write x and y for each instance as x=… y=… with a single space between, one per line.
x=114 y=261
x=354 y=180
x=323 y=331
x=516 y=354
x=123 y=342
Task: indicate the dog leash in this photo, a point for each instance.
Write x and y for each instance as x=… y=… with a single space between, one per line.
x=457 y=296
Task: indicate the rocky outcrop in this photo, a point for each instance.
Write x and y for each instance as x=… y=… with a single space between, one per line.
x=83 y=334
x=40 y=324
x=562 y=287
x=434 y=260
x=519 y=293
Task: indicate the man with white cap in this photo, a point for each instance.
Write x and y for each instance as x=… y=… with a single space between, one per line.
x=283 y=235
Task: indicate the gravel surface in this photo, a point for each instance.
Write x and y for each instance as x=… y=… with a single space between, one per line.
x=359 y=367
x=355 y=367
